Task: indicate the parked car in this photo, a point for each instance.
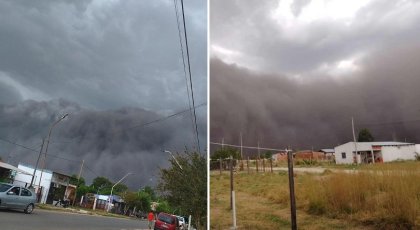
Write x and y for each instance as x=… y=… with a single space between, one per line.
x=181 y=221
x=17 y=197
x=166 y=221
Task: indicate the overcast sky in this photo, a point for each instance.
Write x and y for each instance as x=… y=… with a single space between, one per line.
x=295 y=72
x=111 y=64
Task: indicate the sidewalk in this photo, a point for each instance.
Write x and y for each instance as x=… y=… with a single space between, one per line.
x=79 y=210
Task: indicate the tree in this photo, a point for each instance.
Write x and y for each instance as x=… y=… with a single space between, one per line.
x=149 y=190
x=77 y=182
x=226 y=153
x=186 y=189
x=141 y=200
x=102 y=185
x=365 y=136
x=163 y=206
x=267 y=154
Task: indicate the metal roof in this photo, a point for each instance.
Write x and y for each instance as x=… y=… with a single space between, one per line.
x=385 y=143
x=327 y=150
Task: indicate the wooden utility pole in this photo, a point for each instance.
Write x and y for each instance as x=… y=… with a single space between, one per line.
x=271 y=165
x=36 y=165
x=263 y=164
x=354 y=139
x=247 y=164
x=291 y=189
x=78 y=180
x=220 y=166
x=231 y=182
x=256 y=163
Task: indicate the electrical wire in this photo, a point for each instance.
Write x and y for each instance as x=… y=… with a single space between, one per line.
x=183 y=61
x=189 y=70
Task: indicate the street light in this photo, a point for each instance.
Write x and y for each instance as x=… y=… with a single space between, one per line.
x=112 y=189
x=167 y=151
x=46 y=149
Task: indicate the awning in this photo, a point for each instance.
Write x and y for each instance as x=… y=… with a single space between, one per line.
x=11 y=167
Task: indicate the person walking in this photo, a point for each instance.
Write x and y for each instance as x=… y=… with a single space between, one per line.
x=151 y=218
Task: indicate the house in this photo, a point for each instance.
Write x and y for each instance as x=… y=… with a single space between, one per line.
x=280 y=156
x=309 y=155
x=49 y=186
x=374 y=152
x=329 y=153
x=8 y=172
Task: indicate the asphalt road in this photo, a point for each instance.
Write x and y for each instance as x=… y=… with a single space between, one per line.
x=53 y=220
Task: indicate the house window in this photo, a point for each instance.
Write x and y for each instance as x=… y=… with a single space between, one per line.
x=343 y=155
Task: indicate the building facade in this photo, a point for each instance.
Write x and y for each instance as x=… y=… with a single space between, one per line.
x=373 y=152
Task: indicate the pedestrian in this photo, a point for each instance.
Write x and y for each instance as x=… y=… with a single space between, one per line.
x=151 y=218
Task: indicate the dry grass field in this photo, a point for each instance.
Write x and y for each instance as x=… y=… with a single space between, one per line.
x=381 y=196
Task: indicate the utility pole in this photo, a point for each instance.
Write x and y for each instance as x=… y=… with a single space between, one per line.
x=231 y=182
x=232 y=194
x=354 y=139
x=78 y=180
x=48 y=142
x=220 y=166
x=223 y=143
x=271 y=164
x=291 y=189
x=36 y=165
x=263 y=165
x=247 y=164
x=258 y=144
x=241 y=147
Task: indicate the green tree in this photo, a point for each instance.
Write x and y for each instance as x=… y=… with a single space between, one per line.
x=163 y=206
x=102 y=185
x=149 y=190
x=141 y=200
x=365 y=136
x=267 y=154
x=186 y=189
x=226 y=152
x=77 y=182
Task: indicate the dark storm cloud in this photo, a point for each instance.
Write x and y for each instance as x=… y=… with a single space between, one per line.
x=111 y=142
x=103 y=54
x=262 y=40
x=280 y=111
x=295 y=72
x=111 y=64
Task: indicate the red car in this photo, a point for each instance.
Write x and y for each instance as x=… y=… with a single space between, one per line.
x=166 y=221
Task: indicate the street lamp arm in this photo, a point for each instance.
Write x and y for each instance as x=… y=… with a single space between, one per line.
x=167 y=151
x=112 y=189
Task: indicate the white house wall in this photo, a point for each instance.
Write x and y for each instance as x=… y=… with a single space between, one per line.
x=418 y=148
x=23 y=180
x=404 y=152
x=347 y=148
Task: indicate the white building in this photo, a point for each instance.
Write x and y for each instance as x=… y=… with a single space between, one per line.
x=25 y=180
x=374 y=152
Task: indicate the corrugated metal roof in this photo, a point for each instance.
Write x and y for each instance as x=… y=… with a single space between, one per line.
x=327 y=150
x=385 y=143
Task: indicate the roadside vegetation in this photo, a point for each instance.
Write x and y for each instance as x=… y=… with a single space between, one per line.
x=380 y=196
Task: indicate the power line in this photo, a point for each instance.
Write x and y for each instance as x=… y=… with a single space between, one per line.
x=248 y=147
x=22 y=146
x=183 y=60
x=161 y=119
x=189 y=70
x=142 y=124
x=91 y=170
x=36 y=151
